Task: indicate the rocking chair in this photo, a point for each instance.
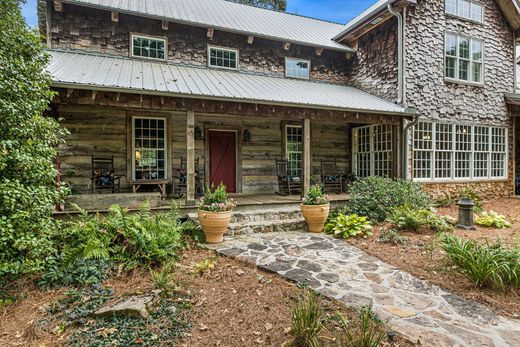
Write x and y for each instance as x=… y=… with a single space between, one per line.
x=287 y=184
x=103 y=175
x=331 y=178
x=180 y=180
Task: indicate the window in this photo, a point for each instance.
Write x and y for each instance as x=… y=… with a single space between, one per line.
x=148 y=47
x=294 y=149
x=464 y=58
x=149 y=148
x=372 y=150
x=297 y=68
x=455 y=152
x=469 y=9
x=223 y=58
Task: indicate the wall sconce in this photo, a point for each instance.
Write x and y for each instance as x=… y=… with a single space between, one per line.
x=246 y=136
x=198 y=134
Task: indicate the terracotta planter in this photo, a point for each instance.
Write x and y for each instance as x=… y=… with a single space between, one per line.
x=214 y=225
x=315 y=216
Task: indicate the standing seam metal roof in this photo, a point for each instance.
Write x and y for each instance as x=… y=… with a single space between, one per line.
x=77 y=69
x=230 y=16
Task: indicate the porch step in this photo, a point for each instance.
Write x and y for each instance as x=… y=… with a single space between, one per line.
x=263 y=220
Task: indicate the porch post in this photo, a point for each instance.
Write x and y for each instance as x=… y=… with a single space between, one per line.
x=190 y=158
x=306 y=155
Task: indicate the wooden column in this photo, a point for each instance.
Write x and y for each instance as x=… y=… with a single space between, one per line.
x=190 y=158
x=306 y=155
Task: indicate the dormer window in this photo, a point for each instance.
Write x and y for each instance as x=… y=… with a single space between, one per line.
x=297 y=68
x=223 y=58
x=148 y=47
x=468 y=9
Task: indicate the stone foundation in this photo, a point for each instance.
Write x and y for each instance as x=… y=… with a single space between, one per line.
x=486 y=190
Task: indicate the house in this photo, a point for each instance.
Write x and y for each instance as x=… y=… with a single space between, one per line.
x=409 y=88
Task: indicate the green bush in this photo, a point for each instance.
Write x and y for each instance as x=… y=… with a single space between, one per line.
x=346 y=226
x=27 y=147
x=487 y=265
x=308 y=318
x=392 y=236
x=377 y=197
x=408 y=218
x=492 y=220
x=470 y=193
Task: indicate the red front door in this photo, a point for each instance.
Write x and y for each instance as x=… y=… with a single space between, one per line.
x=222 y=159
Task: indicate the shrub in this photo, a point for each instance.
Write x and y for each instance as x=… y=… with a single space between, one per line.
x=77 y=272
x=486 y=265
x=216 y=200
x=315 y=196
x=308 y=320
x=470 y=193
x=377 y=197
x=492 y=220
x=346 y=226
x=408 y=218
x=27 y=147
x=391 y=236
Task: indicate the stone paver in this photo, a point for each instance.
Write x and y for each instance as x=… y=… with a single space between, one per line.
x=412 y=307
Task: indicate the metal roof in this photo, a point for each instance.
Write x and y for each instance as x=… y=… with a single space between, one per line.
x=81 y=70
x=229 y=16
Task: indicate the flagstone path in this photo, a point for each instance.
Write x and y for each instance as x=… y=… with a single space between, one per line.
x=413 y=308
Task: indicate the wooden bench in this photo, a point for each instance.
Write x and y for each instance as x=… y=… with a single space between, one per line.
x=159 y=183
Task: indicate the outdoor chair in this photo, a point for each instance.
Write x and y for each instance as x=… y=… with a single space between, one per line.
x=103 y=175
x=331 y=178
x=181 y=178
x=287 y=184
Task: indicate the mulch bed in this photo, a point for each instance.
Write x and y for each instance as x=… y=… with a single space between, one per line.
x=422 y=257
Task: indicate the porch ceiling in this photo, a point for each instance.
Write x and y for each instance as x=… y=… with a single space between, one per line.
x=81 y=70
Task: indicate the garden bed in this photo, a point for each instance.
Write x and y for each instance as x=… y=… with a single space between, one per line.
x=422 y=256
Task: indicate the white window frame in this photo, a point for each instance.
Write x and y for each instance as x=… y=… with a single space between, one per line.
x=470 y=61
x=287 y=152
x=472 y=177
x=469 y=17
x=378 y=157
x=225 y=49
x=165 y=139
x=287 y=59
x=155 y=38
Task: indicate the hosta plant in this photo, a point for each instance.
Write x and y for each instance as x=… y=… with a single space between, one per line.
x=492 y=219
x=346 y=226
x=407 y=217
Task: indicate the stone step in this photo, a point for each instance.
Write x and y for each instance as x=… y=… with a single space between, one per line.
x=267 y=226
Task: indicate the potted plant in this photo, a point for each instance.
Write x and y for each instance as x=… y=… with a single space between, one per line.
x=315 y=208
x=214 y=211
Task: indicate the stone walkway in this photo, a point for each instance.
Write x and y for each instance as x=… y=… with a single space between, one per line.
x=412 y=307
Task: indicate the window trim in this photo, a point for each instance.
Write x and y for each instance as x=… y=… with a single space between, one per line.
x=296 y=77
x=457 y=15
x=234 y=50
x=472 y=178
x=166 y=161
x=157 y=38
x=286 y=126
x=372 y=151
x=470 y=72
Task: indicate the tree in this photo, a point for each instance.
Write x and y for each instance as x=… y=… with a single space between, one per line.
x=28 y=143
x=278 y=5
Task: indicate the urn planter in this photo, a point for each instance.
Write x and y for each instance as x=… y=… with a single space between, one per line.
x=214 y=225
x=315 y=216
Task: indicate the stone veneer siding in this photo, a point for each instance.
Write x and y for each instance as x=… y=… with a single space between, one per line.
x=92 y=30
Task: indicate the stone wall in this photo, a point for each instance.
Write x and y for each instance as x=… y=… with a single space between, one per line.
x=92 y=30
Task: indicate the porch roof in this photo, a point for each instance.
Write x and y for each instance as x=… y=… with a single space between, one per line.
x=81 y=70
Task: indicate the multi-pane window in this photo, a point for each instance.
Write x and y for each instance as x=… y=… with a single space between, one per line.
x=455 y=151
x=148 y=47
x=469 y=9
x=464 y=58
x=149 y=148
x=297 y=68
x=294 y=150
x=223 y=58
x=372 y=150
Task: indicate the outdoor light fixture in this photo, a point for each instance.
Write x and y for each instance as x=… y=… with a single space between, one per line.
x=465 y=220
x=198 y=134
x=246 y=136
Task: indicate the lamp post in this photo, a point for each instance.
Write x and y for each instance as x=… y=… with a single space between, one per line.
x=465 y=220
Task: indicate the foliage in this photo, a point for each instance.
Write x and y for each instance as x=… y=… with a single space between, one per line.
x=27 y=147
x=205 y=266
x=216 y=200
x=408 y=218
x=487 y=265
x=315 y=196
x=470 y=193
x=447 y=201
x=308 y=319
x=165 y=277
x=346 y=226
x=377 y=197
x=492 y=220
x=278 y=5
x=371 y=331
x=335 y=212
x=392 y=236
x=79 y=271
